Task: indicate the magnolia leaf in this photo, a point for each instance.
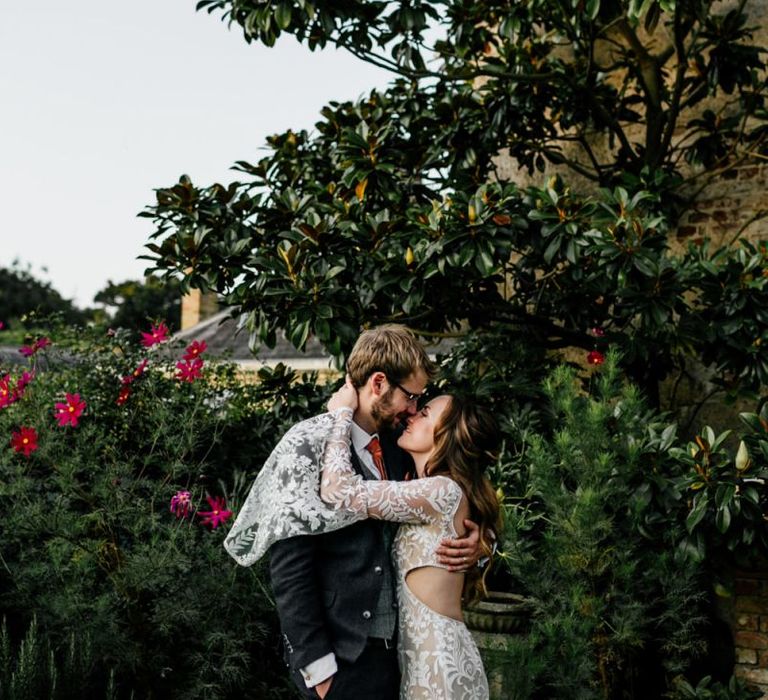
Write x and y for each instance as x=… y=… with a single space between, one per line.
x=360 y=189
x=698 y=511
x=723 y=519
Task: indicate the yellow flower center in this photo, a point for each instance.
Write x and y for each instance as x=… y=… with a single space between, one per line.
x=71 y=409
x=24 y=441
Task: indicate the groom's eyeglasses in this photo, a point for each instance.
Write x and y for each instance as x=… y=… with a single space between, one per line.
x=412 y=398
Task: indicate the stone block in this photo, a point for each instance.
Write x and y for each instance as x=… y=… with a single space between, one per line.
x=746 y=586
x=754 y=675
x=751 y=640
x=686 y=231
x=746 y=657
x=750 y=623
x=748 y=173
x=751 y=604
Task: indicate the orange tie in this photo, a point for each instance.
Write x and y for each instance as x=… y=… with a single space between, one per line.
x=374 y=447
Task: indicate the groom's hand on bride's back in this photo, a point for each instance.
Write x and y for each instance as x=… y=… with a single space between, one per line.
x=461 y=553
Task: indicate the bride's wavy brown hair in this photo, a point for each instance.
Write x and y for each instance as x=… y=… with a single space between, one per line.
x=467 y=441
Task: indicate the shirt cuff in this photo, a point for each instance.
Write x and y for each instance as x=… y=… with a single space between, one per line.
x=320 y=670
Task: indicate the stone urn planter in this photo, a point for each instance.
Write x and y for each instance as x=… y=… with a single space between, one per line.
x=499 y=626
x=500 y=613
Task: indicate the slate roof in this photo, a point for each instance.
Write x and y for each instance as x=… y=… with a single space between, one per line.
x=224 y=340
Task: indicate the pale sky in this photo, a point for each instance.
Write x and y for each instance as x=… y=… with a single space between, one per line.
x=102 y=101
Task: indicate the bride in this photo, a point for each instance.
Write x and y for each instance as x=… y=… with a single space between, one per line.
x=451 y=441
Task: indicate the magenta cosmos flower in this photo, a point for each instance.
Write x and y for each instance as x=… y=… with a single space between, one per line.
x=122 y=396
x=39 y=344
x=69 y=412
x=136 y=374
x=195 y=349
x=180 y=503
x=157 y=334
x=217 y=515
x=595 y=357
x=24 y=440
x=189 y=370
x=7 y=394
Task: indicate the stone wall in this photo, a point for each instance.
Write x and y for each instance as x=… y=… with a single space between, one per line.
x=747 y=613
x=733 y=206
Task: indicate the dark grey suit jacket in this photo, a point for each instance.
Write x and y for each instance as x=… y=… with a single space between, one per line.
x=324 y=584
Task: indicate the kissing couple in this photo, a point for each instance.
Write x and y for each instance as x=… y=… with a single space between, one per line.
x=375 y=516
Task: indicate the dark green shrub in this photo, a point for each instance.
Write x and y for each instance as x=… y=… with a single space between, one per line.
x=597 y=505
x=88 y=540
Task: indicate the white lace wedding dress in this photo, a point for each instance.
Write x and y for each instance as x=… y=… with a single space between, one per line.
x=439 y=659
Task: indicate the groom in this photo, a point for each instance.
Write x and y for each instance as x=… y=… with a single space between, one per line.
x=335 y=592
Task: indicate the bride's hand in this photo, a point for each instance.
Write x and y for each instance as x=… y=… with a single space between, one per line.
x=346 y=397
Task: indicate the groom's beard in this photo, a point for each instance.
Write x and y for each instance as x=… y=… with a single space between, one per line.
x=382 y=413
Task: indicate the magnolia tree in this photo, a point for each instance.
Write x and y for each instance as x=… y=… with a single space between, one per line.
x=395 y=207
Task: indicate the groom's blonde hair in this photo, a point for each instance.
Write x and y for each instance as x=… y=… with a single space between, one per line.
x=392 y=349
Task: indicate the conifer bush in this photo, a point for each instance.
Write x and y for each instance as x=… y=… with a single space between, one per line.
x=617 y=531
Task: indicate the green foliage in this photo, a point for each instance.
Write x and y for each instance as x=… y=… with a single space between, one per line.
x=133 y=303
x=88 y=541
x=726 y=492
x=708 y=690
x=35 y=670
x=396 y=208
x=620 y=612
x=21 y=293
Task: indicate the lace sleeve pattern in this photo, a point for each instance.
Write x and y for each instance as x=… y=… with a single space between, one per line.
x=419 y=501
x=284 y=500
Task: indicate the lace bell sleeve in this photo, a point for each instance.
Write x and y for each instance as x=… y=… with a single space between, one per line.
x=417 y=501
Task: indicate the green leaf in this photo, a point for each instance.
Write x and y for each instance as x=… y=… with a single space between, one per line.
x=698 y=511
x=723 y=519
x=667 y=437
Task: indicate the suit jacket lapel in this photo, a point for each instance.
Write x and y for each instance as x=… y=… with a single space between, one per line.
x=356 y=464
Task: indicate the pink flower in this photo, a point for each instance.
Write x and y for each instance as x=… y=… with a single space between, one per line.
x=140 y=369
x=597 y=332
x=128 y=378
x=24 y=440
x=189 y=370
x=180 y=503
x=122 y=397
x=595 y=357
x=23 y=380
x=2 y=325
x=217 y=515
x=157 y=334
x=194 y=349
x=39 y=344
x=70 y=412
x=7 y=395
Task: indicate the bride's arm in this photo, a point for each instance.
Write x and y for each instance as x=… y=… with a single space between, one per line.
x=422 y=500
